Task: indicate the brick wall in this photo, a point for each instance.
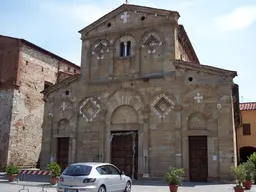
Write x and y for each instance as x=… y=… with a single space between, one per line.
x=35 y=70
x=9 y=53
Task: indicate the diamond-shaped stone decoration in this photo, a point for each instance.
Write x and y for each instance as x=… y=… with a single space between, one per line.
x=152 y=42
x=162 y=106
x=89 y=109
x=100 y=49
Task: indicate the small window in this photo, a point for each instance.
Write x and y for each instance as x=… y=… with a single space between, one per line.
x=122 y=49
x=67 y=93
x=47 y=84
x=125 y=49
x=128 y=48
x=247 y=129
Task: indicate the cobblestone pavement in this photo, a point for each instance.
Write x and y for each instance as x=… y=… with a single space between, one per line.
x=139 y=186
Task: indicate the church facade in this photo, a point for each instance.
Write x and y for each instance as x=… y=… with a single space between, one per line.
x=142 y=101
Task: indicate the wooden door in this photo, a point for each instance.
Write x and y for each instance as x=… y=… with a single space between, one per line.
x=62 y=152
x=198 y=158
x=122 y=153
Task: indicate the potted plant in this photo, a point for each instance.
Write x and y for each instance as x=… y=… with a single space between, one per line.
x=174 y=178
x=56 y=171
x=239 y=174
x=12 y=171
x=249 y=170
x=252 y=158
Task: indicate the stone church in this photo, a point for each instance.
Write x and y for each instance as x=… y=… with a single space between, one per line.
x=142 y=101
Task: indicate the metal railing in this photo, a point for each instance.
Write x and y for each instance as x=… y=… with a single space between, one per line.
x=27 y=176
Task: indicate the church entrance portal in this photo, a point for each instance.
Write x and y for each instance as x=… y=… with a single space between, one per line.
x=198 y=158
x=124 y=152
x=62 y=152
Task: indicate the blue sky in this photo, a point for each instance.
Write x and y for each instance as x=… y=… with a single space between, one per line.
x=223 y=33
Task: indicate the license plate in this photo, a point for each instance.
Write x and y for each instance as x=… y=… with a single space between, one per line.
x=70 y=190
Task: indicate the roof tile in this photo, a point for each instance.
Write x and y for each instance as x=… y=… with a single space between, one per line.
x=248 y=106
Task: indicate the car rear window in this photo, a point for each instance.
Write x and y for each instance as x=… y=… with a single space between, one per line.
x=77 y=170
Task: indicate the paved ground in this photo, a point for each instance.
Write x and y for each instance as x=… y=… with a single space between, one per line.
x=138 y=186
x=141 y=186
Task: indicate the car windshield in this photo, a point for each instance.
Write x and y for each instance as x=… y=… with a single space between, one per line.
x=78 y=170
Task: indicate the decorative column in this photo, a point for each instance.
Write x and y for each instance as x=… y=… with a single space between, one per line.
x=178 y=136
x=146 y=112
x=103 y=113
x=112 y=50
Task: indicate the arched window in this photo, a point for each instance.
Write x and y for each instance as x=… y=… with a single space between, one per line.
x=125 y=48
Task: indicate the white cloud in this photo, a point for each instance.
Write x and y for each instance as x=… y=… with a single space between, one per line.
x=239 y=19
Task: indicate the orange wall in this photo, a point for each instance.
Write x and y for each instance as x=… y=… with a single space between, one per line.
x=248 y=116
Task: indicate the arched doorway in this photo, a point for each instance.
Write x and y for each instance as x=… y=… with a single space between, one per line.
x=245 y=152
x=124 y=142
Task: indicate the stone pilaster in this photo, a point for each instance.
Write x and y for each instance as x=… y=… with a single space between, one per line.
x=178 y=136
x=146 y=113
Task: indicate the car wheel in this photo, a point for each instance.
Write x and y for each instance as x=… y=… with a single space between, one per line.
x=102 y=189
x=128 y=187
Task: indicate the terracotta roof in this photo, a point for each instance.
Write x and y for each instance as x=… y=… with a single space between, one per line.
x=186 y=43
x=32 y=45
x=191 y=65
x=248 y=106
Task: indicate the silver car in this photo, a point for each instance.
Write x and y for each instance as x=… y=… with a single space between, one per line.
x=93 y=177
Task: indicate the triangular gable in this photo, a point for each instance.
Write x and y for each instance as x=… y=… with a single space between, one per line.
x=205 y=68
x=127 y=7
x=61 y=84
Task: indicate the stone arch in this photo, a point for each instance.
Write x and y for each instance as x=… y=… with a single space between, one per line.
x=125 y=96
x=118 y=38
x=189 y=94
x=126 y=90
x=63 y=126
x=147 y=33
x=245 y=152
x=63 y=108
x=152 y=41
x=124 y=114
x=225 y=99
x=197 y=121
x=125 y=38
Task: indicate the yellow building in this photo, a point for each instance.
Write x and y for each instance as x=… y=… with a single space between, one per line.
x=246 y=134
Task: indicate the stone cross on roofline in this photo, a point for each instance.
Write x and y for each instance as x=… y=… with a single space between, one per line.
x=125 y=17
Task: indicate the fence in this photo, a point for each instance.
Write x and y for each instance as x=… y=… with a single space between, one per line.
x=26 y=175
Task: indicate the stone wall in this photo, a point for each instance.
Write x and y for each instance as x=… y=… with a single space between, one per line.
x=164 y=139
x=110 y=82
x=35 y=70
x=6 y=100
